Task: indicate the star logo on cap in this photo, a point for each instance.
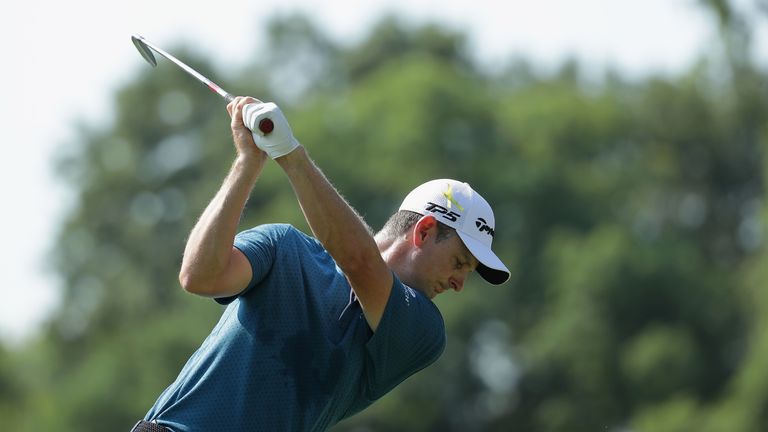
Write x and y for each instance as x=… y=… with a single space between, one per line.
x=448 y=194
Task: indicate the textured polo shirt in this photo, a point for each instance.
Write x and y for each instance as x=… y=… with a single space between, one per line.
x=293 y=351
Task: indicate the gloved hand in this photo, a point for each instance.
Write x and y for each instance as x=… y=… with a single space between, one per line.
x=277 y=142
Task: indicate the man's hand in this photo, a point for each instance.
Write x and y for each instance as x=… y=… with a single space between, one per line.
x=244 y=144
x=277 y=138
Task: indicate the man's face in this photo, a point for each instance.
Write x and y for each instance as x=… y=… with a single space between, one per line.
x=439 y=266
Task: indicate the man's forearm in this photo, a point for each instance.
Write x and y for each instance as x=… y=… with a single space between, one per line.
x=209 y=245
x=334 y=223
x=342 y=232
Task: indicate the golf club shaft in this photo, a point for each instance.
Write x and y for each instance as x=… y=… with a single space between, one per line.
x=211 y=85
x=266 y=125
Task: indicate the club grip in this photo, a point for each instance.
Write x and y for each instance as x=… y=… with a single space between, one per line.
x=266 y=126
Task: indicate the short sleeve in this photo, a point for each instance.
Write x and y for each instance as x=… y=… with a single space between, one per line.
x=259 y=247
x=409 y=337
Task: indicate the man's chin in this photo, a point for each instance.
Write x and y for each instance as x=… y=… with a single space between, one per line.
x=429 y=293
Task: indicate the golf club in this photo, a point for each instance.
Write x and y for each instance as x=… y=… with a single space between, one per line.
x=265 y=125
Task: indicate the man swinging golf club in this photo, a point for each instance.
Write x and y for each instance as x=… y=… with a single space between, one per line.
x=316 y=328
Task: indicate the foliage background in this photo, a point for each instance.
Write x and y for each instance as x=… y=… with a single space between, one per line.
x=632 y=212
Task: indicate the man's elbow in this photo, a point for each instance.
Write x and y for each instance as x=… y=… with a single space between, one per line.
x=192 y=284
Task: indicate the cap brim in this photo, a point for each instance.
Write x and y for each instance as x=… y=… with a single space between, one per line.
x=490 y=266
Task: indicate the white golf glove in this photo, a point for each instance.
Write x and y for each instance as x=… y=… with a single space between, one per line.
x=278 y=141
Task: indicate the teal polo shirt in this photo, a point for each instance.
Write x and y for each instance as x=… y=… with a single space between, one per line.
x=293 y=351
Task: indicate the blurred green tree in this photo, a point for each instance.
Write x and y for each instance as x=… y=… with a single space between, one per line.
x=632 y=214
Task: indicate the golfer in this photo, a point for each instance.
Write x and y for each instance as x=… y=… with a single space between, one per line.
x=316 y=328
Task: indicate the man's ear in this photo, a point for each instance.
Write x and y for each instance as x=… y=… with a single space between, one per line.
x=423 y=228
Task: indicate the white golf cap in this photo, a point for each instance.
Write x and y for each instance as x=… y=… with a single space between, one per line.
x=458 y=206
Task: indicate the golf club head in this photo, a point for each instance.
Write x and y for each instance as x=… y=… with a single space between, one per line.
x=144 y=50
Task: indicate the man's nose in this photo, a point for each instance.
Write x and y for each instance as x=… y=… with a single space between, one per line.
x=457 y=282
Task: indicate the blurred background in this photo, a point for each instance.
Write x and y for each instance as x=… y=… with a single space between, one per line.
x=623 y=145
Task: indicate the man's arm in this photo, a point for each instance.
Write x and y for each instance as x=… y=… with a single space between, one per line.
x=211 y=266
x=342 y=232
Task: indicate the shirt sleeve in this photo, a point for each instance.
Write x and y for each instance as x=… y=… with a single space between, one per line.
x=410 y=337
x=259 y=245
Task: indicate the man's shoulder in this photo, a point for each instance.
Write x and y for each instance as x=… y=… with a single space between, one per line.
x=410 y=337
x=409 y=309
x=276 y=228
x=279 y=236
x=271 y=231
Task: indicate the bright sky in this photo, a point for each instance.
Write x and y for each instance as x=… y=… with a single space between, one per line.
x=63 y=60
